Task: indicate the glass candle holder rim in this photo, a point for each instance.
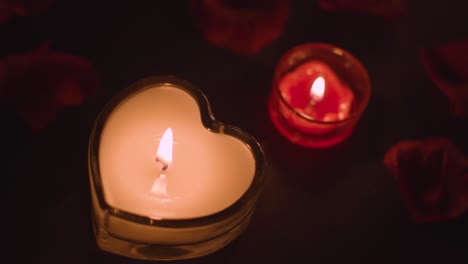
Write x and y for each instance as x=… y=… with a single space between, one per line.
x=208 y=121
x=334 y=50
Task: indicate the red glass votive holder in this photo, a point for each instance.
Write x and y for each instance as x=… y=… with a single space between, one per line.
x=319 y=94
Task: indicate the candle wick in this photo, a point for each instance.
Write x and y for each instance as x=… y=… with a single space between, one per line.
x=164 y=163
x=310 y=108
x=160 y=186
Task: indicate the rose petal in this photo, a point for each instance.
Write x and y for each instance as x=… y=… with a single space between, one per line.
x=38 y=84
x=10 y=8
x=432 y=175
x=34 y=7
x=243 y=26
x=389 y=9
x=447 y=67
x=6 y=12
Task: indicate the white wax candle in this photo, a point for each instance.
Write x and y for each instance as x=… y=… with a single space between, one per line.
x=208 y=171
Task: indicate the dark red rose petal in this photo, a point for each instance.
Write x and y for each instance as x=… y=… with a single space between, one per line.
x=432 y=176
x=447 y=67
x=243 y=26
x=389 y=9
x=10 y=8
x=6 y=11
x=38 y=84
x=34 y=7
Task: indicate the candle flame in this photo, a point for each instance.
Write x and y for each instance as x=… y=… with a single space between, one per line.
x=164 y=153
x=317 y=89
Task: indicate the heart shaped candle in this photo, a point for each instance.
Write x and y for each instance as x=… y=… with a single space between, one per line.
x=168 y=181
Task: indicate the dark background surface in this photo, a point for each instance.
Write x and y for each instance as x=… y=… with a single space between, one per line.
x=335 y=205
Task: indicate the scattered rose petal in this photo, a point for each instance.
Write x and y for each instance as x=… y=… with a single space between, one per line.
x=39 y=83
x=447 y=67
x=10 y=8
x=243 y=26
x=389 y=9
x=432 y=175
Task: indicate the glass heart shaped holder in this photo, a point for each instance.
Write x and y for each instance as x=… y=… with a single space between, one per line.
x=167 y=180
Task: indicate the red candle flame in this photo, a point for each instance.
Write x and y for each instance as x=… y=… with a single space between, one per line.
x=317 y=90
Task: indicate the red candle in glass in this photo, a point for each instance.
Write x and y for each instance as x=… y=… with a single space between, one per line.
x=319 y=94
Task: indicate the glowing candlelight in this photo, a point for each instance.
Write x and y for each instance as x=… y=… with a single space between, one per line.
x=138 y=170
